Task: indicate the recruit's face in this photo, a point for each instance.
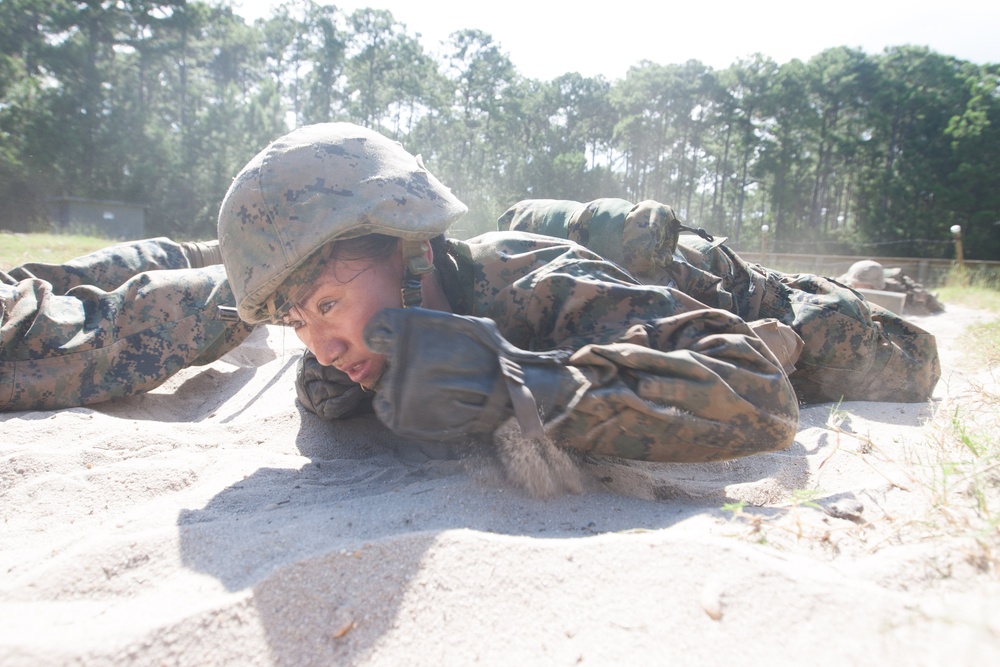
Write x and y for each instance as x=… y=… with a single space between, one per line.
x=331 y=317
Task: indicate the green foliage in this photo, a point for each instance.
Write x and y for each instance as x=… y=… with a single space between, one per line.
x=162 y=102
x=735 y=507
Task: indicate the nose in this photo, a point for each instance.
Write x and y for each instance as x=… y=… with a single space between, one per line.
x=328 y=351
x=326 y=346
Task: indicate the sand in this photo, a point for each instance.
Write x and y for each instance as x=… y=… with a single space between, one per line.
x=213 y=521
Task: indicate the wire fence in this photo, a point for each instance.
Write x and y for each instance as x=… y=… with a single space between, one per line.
x=927 y=271
x=934 y=248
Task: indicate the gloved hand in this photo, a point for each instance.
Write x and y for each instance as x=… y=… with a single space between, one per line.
x=452 y=377
x=327 y=392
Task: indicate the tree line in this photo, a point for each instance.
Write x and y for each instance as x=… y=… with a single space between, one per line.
x=161 y=102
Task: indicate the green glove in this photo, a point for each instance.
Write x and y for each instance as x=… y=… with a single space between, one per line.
x=452 y=377
x=327 y=392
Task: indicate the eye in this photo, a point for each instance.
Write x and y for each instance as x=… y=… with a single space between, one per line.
x=293 y=318
x=292 y=322
x=325 y=307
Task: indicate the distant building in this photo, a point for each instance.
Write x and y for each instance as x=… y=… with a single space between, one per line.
x=99 y=217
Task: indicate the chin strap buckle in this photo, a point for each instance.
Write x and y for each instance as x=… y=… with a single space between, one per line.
x=417 y=264
x=411 y=294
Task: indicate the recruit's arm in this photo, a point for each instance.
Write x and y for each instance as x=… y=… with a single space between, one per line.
x=612 y=369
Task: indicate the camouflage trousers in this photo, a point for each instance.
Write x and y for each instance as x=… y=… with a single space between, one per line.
x=853 y=349
x=114 y=323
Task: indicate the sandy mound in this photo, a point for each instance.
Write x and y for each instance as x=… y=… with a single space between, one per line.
x=212 y=521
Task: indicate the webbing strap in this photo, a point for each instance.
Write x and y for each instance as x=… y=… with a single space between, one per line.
x=699 y=231
x=415 y=259
x=525 y=407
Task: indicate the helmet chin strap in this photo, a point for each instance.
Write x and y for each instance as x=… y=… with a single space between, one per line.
x=411 y=293
x=417 y=264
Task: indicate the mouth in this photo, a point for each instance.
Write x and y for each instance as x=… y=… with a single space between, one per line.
x=359 y=371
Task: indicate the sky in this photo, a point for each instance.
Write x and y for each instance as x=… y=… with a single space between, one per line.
x=546 y=39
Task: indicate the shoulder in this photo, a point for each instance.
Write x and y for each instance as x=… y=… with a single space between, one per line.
x=524 y=251
x=519 y=262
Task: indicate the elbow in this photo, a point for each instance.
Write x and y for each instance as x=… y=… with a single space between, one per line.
x=774 y=422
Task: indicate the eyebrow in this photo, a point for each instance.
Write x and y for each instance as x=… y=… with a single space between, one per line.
x=317 y=284
x=305 y=297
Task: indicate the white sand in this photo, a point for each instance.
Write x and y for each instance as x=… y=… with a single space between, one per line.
x=213 y=521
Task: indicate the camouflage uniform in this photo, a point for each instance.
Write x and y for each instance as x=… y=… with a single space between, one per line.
x=613 y=367
x=853 y=349
x=675 y=381
x=113 y=323
x=670 y=380
x=544 y=331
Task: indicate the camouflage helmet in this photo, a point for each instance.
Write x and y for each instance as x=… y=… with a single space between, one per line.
x=863 y=274
x=318 y=184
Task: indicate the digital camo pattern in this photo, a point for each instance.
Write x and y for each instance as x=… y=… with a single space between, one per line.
x=639 y=237
x=678 y=374
x=853 y=350
x=673 y=380
x=111 y=324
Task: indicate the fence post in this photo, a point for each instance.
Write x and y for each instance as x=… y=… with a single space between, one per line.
x=956 y=232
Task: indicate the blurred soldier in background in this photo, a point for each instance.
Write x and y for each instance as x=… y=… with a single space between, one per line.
x=868 y=274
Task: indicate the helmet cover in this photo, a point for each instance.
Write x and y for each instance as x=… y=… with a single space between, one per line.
x=863 y=273
x=317 y=184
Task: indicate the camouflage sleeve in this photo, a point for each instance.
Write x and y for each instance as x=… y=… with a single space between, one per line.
x=107 y=268
x=677 y=381
x=641 y=237
x=693 y=387
x=91 y=345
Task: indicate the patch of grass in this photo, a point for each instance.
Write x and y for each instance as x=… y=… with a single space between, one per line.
x=984 y=298
x=958 y=466
x=946 y=485
x=16 y=249
x=982 y=342
x=974 y=289
x=966 y=477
